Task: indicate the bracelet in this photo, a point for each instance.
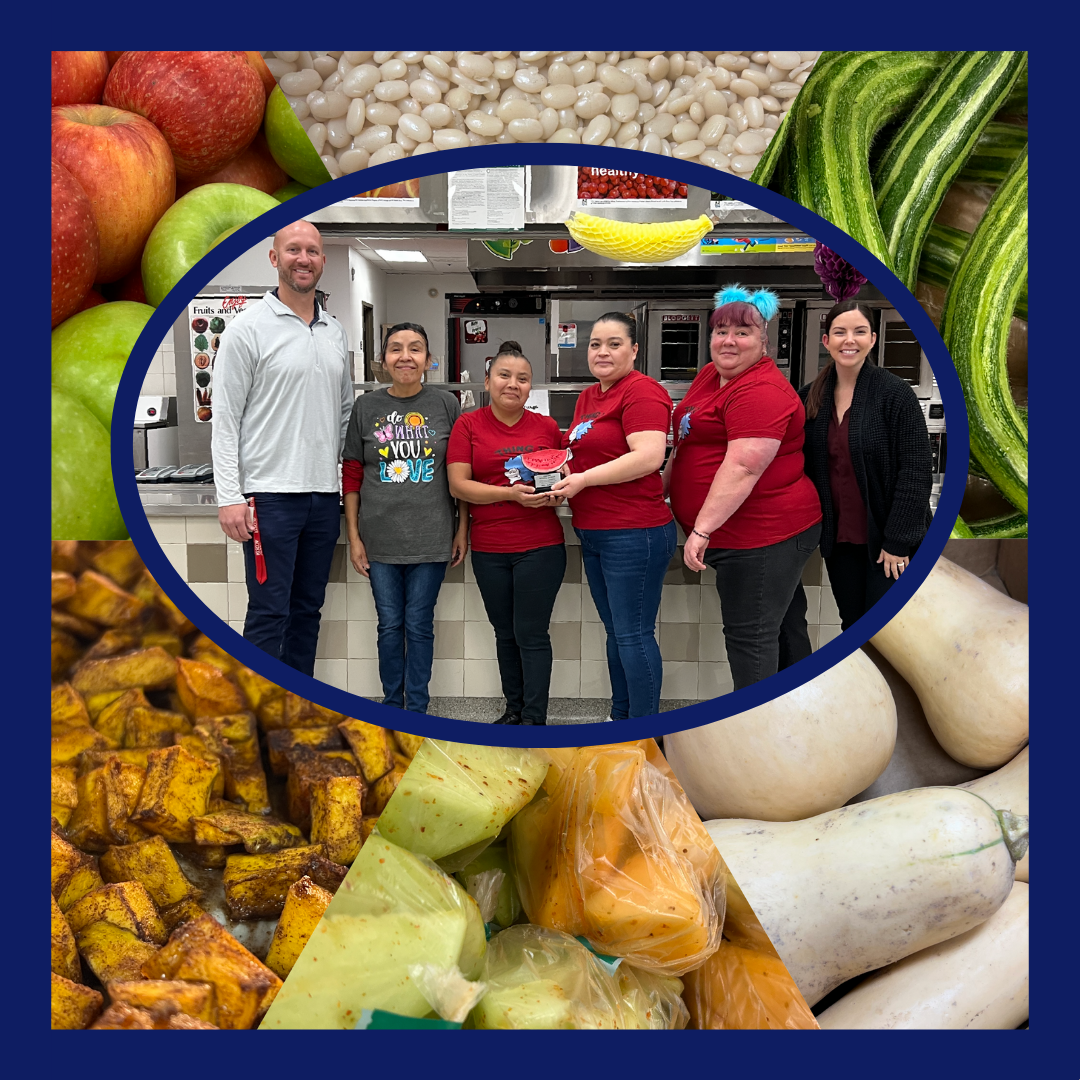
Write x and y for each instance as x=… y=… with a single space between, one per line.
x=704 y=536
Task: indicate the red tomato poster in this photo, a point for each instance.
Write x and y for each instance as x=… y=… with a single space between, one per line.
x=596 y=187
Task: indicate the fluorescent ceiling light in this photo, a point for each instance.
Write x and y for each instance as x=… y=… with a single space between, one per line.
x=399 y=256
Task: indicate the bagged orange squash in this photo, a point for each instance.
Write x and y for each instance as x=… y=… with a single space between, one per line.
x=611 y=850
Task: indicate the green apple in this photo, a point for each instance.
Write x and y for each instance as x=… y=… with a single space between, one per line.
x=290 y=190
x=84 y=503
x=190 y=227
x=89 y=352
x=289 y=143
x=455 y=796
x=393 y=910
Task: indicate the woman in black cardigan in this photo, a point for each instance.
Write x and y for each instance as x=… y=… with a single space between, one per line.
x=868 y=453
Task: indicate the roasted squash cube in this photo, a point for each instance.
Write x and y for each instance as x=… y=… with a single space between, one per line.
x=256 y=689
x=209 y=652
x=195 y=999
x=148 y=668
x=123 y=784
x=255 y=885
x=305 y=903
x=150 y=727
x=165 y=639
x=150 y=592
x=337 y=808
x=94 y=759
x=379 y=793
x=74 y=874
x=96 y=702
x=113 y=952
x=65 y=955
x=111 y=721
x=113 y=643
x=74 y=1007
x=66 y=748
x=63 y=586
x=73 y=624
x=68 y=709
x=183 y=912
x=408 y=744
x=367 y=827
x=258 y=833
x=65 y=651
x=271 y=713
x=205 y=690
x=177 y=788
x=308 y=768
x=299 y=712
x=280 y=742
x=249 y=787
x=204 y=951
x=372 y=745
x=120 y=561
x=65 y=793
x=88 y=827
x=125 y=904
x=102 y=601
x=152 y=864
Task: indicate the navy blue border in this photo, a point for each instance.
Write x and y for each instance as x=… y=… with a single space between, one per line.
x=539 y=154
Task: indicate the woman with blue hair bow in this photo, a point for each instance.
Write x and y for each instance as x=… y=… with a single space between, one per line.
x=739 y=492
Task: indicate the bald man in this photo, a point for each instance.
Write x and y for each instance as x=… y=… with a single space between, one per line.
x=282 y=396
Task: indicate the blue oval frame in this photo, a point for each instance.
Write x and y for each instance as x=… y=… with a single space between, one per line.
x=342 y=701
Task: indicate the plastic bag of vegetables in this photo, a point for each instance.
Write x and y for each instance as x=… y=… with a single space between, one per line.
x=611 y=850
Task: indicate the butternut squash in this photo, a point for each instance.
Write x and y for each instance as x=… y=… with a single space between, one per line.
x=977 y=981
x=798 y=755
x=855 y=889
x=963 y=648
x=1007 y=788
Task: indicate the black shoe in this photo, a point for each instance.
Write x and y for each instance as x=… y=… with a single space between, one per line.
x=509 y=717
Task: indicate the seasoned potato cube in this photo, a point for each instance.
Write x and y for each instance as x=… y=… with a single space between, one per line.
x=177 y=788
x=337 y=807
x=65 y=794
x=65 y=955
x=63 y=586
x=280 y=742
x=195 y=999
x=74 y=1007
x=256 y=689
x=255 y=885
x=150 y=727
x=305 y=903
x=65 y=651
x=206 y=691
x=152 y=864
x=257 y=832
x=113 y=952
x=148 y=668
x=249 y=787
x=165 y=639
x=380 y=792
x=66 y=748
x=101 y=600
x=68 y=709
x=309 y=767
x=237 y=728
x=125 y=904
x=73 y=873
x=408 y=744
x=94 y=759
x=372 y=745
x=209 y=652
x=204 y=951
x=183 y=912
x=88 y=827
x=111 y=721
x=299 y=712
x=112 y=643
x=150 y=592
x=271 y=713
x=96 y=702
x=120 y=561
x=206 y=750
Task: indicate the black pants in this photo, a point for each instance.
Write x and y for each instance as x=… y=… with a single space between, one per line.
x=519 y=589
x=763 y=605
x=857 y=583
x=298 y=533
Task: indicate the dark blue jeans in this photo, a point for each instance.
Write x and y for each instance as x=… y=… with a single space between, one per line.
x=519 y=590
x=763 y=605
x=405 y=595
x=626 y=569
x=299 y=533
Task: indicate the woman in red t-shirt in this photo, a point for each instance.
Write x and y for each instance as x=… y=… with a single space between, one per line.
x=739 y=491
x=518 y=555
x=616 y=493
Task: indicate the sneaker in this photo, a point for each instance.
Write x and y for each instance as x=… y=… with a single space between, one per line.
x=509 y=717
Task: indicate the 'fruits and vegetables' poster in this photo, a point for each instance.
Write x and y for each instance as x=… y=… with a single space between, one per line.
x=207 y=318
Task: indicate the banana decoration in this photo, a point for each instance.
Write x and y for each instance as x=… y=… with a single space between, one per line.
x=628 y=241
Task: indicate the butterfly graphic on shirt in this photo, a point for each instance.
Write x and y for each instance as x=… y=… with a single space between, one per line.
x=580 y=429
x=408 y=452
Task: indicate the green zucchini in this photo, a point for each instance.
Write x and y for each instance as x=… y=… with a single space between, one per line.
x=975 y=328
x=1005 y=527
x=1017 y=103
x=932 y=145
x=994 y=153
x=836 y=119
x=961 y=530
x=940 y=254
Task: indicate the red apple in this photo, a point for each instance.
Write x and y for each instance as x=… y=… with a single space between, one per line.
x=113 y=57
x=255 y=59
x=208 y=105
x=74 y=244
x=91 y=299
x=78 y=78
x=129 y=287
x=255 y=167
x=124 y=165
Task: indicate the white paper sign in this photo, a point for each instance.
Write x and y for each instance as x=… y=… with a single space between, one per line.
x=486 y=199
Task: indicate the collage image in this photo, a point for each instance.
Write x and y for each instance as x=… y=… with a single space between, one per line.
x=514 y=442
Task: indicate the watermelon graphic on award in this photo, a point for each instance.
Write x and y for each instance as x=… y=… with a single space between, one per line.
x=546 y=466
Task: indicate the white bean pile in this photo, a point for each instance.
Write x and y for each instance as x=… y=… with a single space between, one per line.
x=366 y=108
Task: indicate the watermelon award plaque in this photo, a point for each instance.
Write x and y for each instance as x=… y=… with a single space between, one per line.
x=546 y=466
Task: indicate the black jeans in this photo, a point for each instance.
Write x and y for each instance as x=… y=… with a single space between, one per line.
x=857 y=583
x=763 y=605
x=519 y=589
x=299 y=533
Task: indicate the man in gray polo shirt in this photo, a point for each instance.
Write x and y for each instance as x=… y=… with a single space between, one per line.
x=283 y=393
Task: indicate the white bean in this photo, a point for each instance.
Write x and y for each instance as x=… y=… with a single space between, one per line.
x=373 y=138
x=390 y=152
x=360 y=80
x=598 y=129
x=744 y=163
x=483 y=124
x=415 y=127
x=437 y=114
x=517 y=109
x=618 y=82
x=755 y=112
x=750 y=143
x=592 y=105
x=449 y=139
x=565 y=135
x=353 y=160
x=784 y=60
x=689 y=149
x=382 y=112
x=624 y=106
x=299 y=83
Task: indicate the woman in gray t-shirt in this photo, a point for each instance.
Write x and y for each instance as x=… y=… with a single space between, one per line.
x=401 y=519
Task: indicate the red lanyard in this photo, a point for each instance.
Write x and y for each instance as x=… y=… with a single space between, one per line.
x=260 y=559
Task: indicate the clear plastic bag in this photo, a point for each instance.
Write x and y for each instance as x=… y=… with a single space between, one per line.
x=613 y=851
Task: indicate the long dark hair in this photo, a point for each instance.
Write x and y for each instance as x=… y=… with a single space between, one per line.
x=628 y=322
x=817 y=387
x=416 y=328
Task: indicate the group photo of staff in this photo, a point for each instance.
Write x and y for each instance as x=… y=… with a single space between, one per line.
x=748 y=473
